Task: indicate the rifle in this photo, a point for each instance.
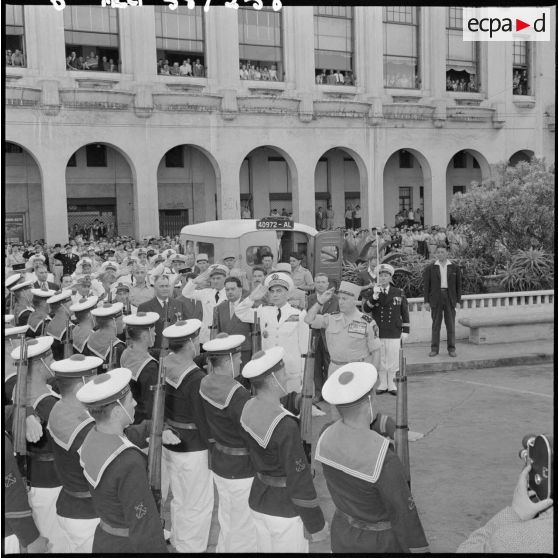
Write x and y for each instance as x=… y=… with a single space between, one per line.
x=20 y=409
x=68 y=343
x=12 y=304
x=307 y=395
x=155 y=451
x=111 y=365
x=256 y=334
x=401 y=436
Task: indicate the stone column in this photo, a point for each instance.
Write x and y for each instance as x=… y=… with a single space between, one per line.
x=44 y=29
x=368 y=22
x=303 y=192
x=138 y=45
x=221 y=43
x=228 y=190
x=146 y=200
x=298 y=50
x=434 y=38
x=259 y=181
x=55 y=211
x=435 y=204
x=336 y=183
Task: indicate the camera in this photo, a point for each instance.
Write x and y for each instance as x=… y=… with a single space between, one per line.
x=539 y=452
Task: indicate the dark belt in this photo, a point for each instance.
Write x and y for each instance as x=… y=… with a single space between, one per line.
x=181 y=425
x=116 y=531
x=278 y=482
x=35 y=456
x=85 y=494
x=362 y=359
x=364 y=525
x=443 y=289
x=231 y=451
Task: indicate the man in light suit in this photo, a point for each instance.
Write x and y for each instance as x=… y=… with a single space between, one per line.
x=442 y=295
x=225 y=319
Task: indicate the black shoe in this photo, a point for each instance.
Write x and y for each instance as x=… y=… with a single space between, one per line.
x=380 y=391
x=433 y=353
x=452 y=353
x=392 y=392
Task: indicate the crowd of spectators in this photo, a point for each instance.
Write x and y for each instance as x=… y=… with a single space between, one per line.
x=461 y=84
x=520 y=82
x=402 y=80
x=186 y=69
x=258 y=73
x=335 y=77
x=15 y=58
x=91 y=63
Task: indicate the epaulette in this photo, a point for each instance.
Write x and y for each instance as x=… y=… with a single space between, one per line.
x=367 y=318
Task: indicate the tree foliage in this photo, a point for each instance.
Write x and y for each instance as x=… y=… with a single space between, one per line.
x=513 y=212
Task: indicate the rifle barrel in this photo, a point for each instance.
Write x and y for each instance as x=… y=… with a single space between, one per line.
x=401 y=436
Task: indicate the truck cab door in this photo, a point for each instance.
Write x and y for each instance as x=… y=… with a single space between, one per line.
x=327 y=255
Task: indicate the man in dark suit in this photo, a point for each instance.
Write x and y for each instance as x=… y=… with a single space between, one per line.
x=177 y=309
x=321 y=361
x=225 y=320
x=42 y=274
x=442 y=295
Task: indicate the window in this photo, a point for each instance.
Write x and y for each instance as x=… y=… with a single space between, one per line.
x=15 y=36
x=405 y=197
x=92 y=41
x=405 y=159
x=72 y=162
x=333 y=45
x=254 y=254
x=329 y=254
x=174 y=158
x=462 y=57
x=260 y=44
x=521 y=68
x=458 y=190
x=206 y=248
x=475 y=164
x=96 y=155
x=401 y=47
x=460 y=160
x=180 y=41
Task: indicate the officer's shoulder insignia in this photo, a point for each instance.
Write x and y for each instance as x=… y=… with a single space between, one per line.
x=141 y=510
x=411 y=503
x=367 y=318
x=9 y=480
x=300 y=465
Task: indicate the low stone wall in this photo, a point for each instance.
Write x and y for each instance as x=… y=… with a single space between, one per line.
x=477 y=306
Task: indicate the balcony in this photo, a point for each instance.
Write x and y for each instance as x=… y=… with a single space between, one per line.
x=340 y=108
x=266 y=104
x=408 y=111
x=469 y=114
x=186 y=102
x=95 y=98
x=21 y=96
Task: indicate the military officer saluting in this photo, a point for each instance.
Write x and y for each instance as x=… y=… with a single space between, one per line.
x=351 y=335
x=104 y=342
x=191 y=480
x=84 y=322
x=116 y=468
x=43 y=478
x=68 y=424
x=374 y=508
x=39 y=318
x=233 y=473
x=58 y=326
x=140 y=330
x=282 y=325
x=391 y=312
x=282 y=499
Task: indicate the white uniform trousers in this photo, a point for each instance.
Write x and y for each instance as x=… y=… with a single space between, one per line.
x=236 y=525
x=279 y=534
x=79 y=534
x=11 y=545
x=389 y=363
x=43 y=506
x=191 y=483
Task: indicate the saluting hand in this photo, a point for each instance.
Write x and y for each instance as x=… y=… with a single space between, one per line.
x=258 y=293
x=325 y=297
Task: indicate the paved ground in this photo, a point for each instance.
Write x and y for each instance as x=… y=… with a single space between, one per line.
x=465 y=468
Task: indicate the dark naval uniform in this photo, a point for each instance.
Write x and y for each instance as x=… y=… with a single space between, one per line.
x=283 y=485
x=191 y=480
x=223 y=401
x=68 y=426
x=375 y=511
x=116 y=470
x=80 y=336
x=145 y=373
x=56 y=328
x=37 y=321
x=22 y=313
x=99 y=344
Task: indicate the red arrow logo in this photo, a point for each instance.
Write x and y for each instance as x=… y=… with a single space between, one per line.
x=519 y=25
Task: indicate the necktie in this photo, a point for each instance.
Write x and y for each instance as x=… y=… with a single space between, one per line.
x=44 y=286
x=216 y=296
x=165 y=307
x=278 y=314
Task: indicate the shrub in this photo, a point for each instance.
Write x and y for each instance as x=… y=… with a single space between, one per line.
x=528 y=270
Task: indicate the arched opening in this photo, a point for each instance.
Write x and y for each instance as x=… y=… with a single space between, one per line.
x=100 y=192
x=187 y=192
x=465 y=167
x=524 y=155
x=266 y=184
x=340 y=191
x=407 y=186
x=23 y=212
